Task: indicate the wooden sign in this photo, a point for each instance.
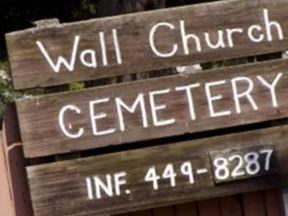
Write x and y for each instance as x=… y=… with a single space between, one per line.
x=237 y=164
x=147 y=41
x=163 y=175
x=155 y=108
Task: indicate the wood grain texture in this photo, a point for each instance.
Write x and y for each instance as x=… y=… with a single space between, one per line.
x=164 y=211
x=238 y=165
x=6 y=200
x=273 y=202
x=253 y=204
x=15 y=165
x=60 y=188
x=40 y=129
x=209 y=207
x=188 y=209
x=284 y=201
x=231 y=205
x=127 y=214
x=30 y=68
x=143 y=213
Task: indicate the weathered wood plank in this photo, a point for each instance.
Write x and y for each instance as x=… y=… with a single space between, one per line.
x=237 y=159
x=145 y=177
x=209 y=207
x=253 y=204
x=12 y=154
x=126 y=214
x=231 y=205
x=273 y=202
x=248 y=28
x=284 y=201
x=143 y=213
x=6 y=200
x=155 y=108
x=188 y=209
x=164 y=211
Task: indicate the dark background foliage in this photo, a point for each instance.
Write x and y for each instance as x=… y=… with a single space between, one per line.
x=20 y=14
